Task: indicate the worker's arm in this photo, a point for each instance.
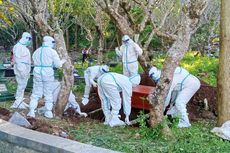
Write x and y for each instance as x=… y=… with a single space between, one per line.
x=92 y=76
x=56 y=60
x=138 y=50
x=118 y=52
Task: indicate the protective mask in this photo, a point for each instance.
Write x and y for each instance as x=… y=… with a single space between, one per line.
x=29 y=41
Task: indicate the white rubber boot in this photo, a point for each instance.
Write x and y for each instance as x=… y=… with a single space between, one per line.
x=184 y=121
x=107 y=119
x=48 y=113
x=115 y=121
x=31 y=114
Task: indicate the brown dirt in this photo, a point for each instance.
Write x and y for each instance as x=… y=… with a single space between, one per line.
x=146 y=80
x=196 y=106
x=5 y=114
x=45 y=127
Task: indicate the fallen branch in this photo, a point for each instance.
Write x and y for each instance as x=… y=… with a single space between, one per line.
x=136 y=120
x=97 y=110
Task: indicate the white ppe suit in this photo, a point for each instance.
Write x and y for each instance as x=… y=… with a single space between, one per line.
x=129 y=51
x=45 y=58
x=185 y=86
x=109 y=87
x=71 y=101
x=22 y=67
x=90 y=74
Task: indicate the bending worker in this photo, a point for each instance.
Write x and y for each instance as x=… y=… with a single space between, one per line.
x=90 y=74
x=71 y=101
x=22 y=67
x=183 y=87
x=109 y=87
x=45 y=58
x=129 y=51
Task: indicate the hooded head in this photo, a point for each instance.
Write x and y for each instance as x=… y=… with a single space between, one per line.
x=26 y=39
x=104 y=69
x=48 y=41
x=126 y=39
x=155 y=74
x=135 y=80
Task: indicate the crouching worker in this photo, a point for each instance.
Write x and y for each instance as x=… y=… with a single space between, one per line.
x=45 y=58
x=183 y=87
x=90 y=75
x=109 y=87
x=71 y=101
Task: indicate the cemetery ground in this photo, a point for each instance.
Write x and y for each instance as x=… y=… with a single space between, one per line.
x=139 y=137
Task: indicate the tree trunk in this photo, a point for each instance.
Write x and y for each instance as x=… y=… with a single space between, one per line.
x=121 y=23
x=68 y=78
x=67 y=39
x=175 y=54
x=190 y=15
x=76 y=37
x=100 y=49
x=37 y=42
x=34 y=38
x=224 y=66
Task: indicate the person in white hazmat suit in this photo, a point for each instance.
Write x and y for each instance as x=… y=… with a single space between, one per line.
x=129 y=52
x=184 y=86
x=90 y=74
x=109 y=87
x=71 y=101
x=22 y=67
x=45 y=58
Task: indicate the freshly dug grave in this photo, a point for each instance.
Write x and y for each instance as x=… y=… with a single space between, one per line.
x=196 y=106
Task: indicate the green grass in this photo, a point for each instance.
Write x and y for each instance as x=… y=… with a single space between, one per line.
x=198 y=138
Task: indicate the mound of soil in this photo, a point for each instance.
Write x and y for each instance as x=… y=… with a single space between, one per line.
x=197 y=108
x=146 y=80
x=5 y=114
x=42 y=126
x=37 y=124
